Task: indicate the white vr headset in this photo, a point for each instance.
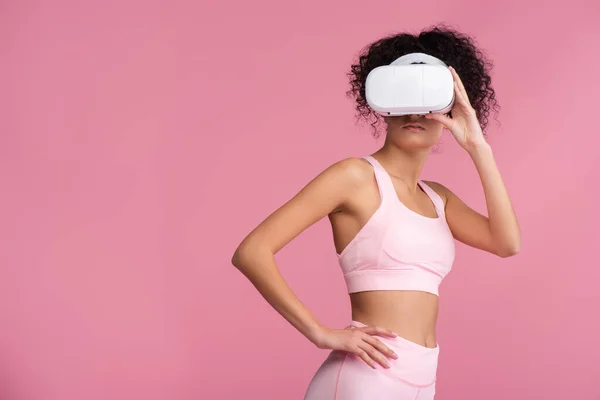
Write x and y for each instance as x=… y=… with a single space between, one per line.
x=403 y=87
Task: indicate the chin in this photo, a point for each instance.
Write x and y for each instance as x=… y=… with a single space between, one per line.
x=414 y=140
x=414 y=144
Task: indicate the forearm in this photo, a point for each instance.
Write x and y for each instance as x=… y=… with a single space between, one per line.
x=504 y=227
x=260 y=268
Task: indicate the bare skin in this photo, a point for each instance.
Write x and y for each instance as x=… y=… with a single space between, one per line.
x=347 y=193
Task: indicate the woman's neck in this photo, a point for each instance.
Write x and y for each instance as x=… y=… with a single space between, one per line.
x=403 y=165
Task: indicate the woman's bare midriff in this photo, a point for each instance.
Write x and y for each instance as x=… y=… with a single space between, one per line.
x=411 y=314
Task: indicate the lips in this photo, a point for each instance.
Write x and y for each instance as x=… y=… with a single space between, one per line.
x=414 y=126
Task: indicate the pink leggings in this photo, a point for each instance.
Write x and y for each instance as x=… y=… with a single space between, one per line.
x=344 y=376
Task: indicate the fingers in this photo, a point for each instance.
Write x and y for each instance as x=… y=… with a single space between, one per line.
x=373 y=354
x=377 y=330
x=444 y=119
x=460 y=86
x=370 y=349
x=456 y=78
x=380 y=346
x=463 y=101
x=363 y=355
x=460 y=97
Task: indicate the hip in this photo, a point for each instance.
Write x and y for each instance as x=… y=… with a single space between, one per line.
x=344 y=376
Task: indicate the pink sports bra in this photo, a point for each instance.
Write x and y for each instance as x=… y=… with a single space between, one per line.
x=398 y=249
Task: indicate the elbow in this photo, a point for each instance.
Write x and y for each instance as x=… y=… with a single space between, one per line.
x=245 y=254
x=237 y=260
x=509 y=251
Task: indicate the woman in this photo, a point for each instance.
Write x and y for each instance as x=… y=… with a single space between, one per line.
x=394 y=233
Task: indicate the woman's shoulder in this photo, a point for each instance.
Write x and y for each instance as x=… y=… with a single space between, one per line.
x=440 y=189
x=355 y=170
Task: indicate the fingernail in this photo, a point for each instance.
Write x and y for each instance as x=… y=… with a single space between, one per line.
x=394 y=355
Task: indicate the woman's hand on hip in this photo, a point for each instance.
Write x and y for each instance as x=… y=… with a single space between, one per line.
x=359 y=341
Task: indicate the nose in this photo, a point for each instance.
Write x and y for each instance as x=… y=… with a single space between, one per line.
x=415 y=117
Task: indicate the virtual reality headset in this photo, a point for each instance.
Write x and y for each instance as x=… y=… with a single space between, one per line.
x=404 y=87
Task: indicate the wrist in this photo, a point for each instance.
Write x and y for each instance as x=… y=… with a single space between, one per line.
x=316 y=334
x=479 y=147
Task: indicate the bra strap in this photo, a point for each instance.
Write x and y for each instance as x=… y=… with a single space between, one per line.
x=387 y=192
x=438 y=202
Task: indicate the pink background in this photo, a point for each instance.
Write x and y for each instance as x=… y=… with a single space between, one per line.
x=140 y=142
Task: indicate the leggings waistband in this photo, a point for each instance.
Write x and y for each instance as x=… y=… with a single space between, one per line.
x=400 y=339
x=416 y=364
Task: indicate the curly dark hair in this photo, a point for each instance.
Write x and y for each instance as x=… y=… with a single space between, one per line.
x=454 y=48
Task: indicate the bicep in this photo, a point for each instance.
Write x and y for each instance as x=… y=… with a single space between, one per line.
x=467 y=225
x=318 y=198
